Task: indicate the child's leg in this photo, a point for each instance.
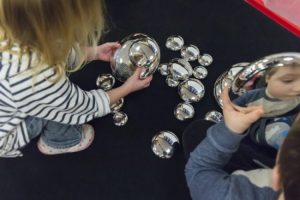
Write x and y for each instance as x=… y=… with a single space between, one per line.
x=35 y=126
x=57 y=138
x=59 y=135
x=62 y=138
x=53 y=133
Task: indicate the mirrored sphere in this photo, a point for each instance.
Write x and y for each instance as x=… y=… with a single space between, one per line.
x=191 y=90
x=120 y=118
x=213 y=116
x=200 y=72
x=105 y=81
x=141 y=53
x=180 y=69
x=174 y=42
x=163 y=69
x=225 y=79
x=184 y=111
x=137 y=50
x=205 y=59
x=171 y=82
x=190 y=52
x=117 y=106
x=164 y=144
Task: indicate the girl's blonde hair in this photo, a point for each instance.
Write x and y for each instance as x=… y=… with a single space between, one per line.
x=51 y=28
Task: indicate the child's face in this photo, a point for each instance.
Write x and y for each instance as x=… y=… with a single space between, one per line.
x=284 y=83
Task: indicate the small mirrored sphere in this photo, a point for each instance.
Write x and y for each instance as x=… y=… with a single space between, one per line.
x=117 y=106
x=171 y=82
x=205 y=59
x=190 y=52
x=184 y=111
x=163 y=69
x=180 y=69
x=105 y=81
x=120 y=118
x=174 y=42
x=213 y=116
x=191 y=90
x=164 y=144
x=200 y=72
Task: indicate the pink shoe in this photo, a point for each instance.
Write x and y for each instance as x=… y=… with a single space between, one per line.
x=86 y=140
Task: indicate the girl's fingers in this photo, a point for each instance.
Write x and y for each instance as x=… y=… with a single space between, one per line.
x=246 y=109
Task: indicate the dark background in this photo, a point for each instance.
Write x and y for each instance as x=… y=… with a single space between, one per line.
x=120 y=164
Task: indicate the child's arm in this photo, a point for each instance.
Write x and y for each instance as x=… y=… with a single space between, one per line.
x=204 y=172
x=134 y=83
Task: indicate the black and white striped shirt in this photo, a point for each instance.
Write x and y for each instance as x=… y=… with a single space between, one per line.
x=23 y=95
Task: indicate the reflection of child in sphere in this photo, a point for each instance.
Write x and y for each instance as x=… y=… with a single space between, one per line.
x=281 y=102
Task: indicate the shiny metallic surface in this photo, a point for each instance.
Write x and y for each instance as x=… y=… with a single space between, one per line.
x=200 y=72
x=242 y=81
x=137 y=50
x=205 y=59
x=117 y=106
x=213 y=116
x=164 y=144
x=184 y=111
x=190 y=52
x=180 y=69
x=171 y=82
x=163 y=69
x=191 y=90
x=225 y=79
x=120 y=118
x=105 y=81
x=174 y=42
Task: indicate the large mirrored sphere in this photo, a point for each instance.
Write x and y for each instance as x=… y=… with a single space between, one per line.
x=164 y=144
x=174 y=42
x=200 y=72
x=205 y=59
x=117 y=106
x=105 y=81
x=213 y=116
x=120 y=118
x=225 y=79
x=180 y=69
x=142 y=53
x=184 y=111
x=191 y=90
x=190 y=52
x=137 y=50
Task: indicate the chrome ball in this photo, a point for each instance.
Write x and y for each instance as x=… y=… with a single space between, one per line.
x=137 y=50
x=191 y=90
x=164 y=144
x=184 y=111
x=105 y=81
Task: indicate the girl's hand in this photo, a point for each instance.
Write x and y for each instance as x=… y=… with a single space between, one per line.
x=106 y=51
x=239 y=119
x=134 y=82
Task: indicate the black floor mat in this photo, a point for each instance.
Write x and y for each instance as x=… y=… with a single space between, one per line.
x=120 y=164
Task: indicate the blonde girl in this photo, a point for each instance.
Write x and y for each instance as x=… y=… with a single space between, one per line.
x=41 y=41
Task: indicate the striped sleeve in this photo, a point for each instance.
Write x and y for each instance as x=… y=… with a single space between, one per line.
x=60 y=101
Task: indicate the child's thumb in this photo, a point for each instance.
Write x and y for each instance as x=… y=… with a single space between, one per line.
x=254 y=115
